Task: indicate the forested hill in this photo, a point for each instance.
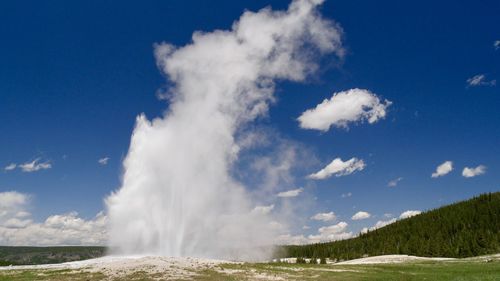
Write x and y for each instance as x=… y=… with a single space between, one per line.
x=464 y=229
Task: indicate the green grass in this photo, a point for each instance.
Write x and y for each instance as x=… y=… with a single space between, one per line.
x=433 y=271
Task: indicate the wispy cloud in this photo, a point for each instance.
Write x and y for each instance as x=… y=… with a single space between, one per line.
x=345 y=195
x=103 y=161
x=339 y=168
x=355 y=105
x=480 y=80
x=496 y=44
x=394 y=182
x=443 y=169
x=10 y=167
x=472 y=172
x=35 y=165
x=291 y=193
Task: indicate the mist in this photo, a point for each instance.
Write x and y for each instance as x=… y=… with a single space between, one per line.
x=178 y=196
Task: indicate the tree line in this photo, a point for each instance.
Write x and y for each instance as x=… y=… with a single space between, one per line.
x=464 y=229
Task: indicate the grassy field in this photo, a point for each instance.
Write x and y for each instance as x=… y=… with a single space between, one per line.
x=435 y=271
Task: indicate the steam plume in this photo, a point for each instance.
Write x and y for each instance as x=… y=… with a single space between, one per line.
x=177 y=196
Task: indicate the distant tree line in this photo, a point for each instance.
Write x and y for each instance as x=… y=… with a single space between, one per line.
x=465 y=229
x=43 y=255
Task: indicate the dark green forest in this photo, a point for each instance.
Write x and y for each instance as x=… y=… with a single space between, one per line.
x=43 y=255
x=464 y=229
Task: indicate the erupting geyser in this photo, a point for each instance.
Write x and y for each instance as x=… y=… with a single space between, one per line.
x=178 y=197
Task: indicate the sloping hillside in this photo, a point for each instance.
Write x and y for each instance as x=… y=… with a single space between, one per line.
x=464 y=229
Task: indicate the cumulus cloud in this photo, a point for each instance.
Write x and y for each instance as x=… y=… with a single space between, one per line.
x=34 y=166
x=103 y=161
x=378 y=224
x=394 y=182
x=325 y=234
x=355 y=105
x=324 y=216
x=11 y=204
x=472 y=172
x=331 y=233
x=409 y=214
x=10 y=167
x=480 y=80
x=361 y=215
x=16 y=223
x=496 y=44
x=291 y=193
x=443 y=169
x=339 y=168
x=382 y=223
x=17 y=228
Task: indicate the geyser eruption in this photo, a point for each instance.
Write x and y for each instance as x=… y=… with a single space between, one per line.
x=178 y=197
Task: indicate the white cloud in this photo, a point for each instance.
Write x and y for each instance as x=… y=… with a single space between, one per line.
x=331 y=233
x=378 y=225
x=345 y=195
x=409 y=214
x=10 y=167
x=324 y=216
x=394 y=182
x=336 y=228
x=264 y=210
x=291 y=193
x=11 y=204
x=382 y=223
x=18 y=228
x=67 y=229
x=339 y=168
x=16 y=223
x=355 y=105
x=325 y=234
x=496 y=44
x=361 y=215
x=480 y=80
x=103 y=161
x=305 y=227
x=443 y=169
x=34 y=166
x=472 y=172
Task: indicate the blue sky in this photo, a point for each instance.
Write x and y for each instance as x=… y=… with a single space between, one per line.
x=74 y=76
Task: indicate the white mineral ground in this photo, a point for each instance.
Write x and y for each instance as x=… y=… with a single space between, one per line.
x=115 y=266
